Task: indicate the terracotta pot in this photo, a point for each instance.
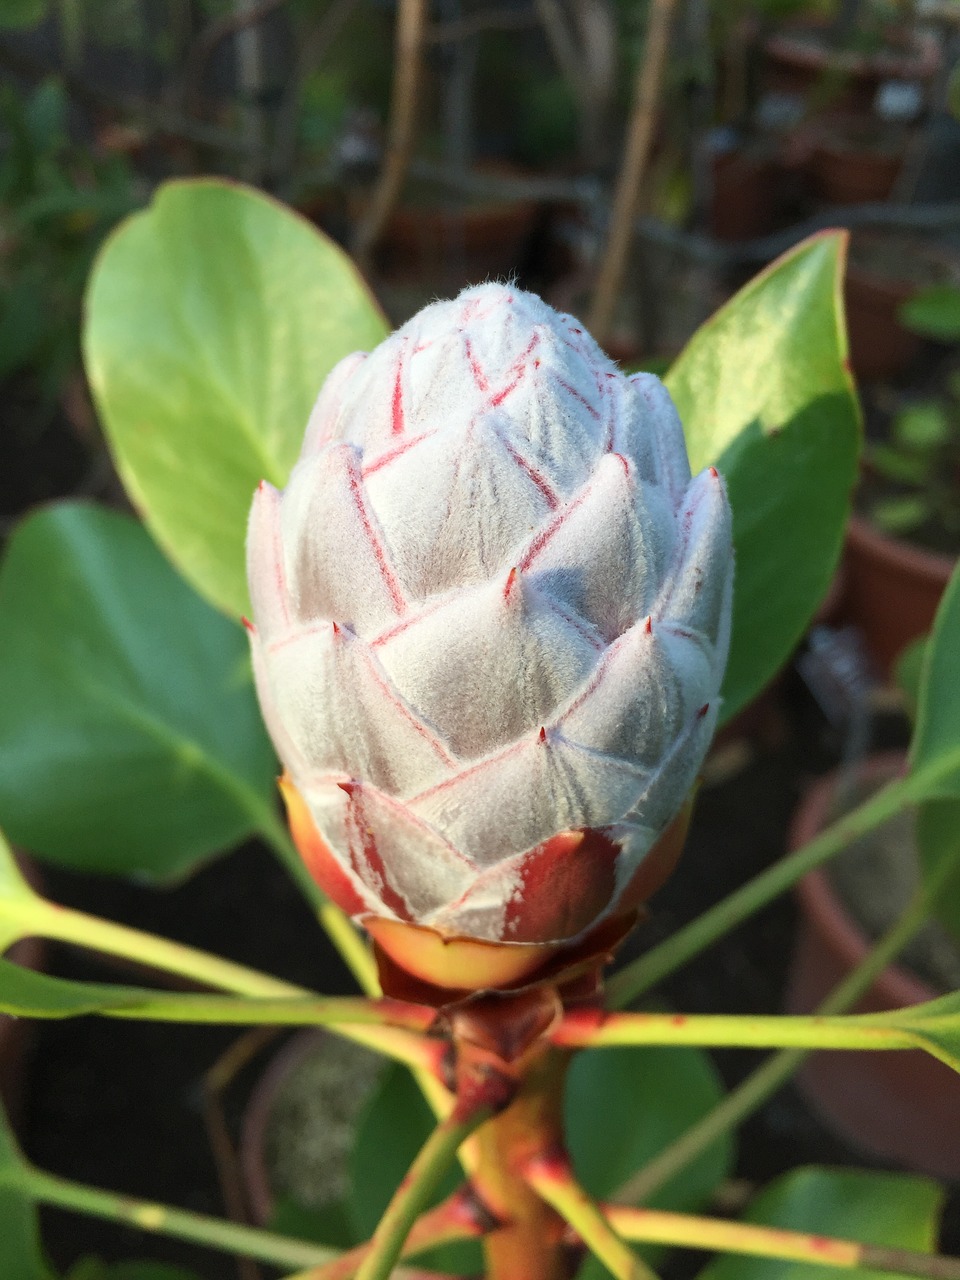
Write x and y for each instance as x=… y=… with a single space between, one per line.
x=891 y=590
x=900 y=1106
x=256 y=1119
x=798 y=60
x=464 y=240
x=744 y=196
x=849 y=167
x=884 y=272
x=352 y=1079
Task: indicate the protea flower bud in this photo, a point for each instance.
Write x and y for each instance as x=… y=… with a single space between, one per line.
x=492 y=614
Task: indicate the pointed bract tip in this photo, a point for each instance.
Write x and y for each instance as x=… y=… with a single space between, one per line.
x=349 y=787
x=336 y=628
x=703 y=710
x=510 y=583
x=247 y=625
x=715 y=473
x=542 y=734
x=648 y=625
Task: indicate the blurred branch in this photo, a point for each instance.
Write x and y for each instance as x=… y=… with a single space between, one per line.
x=636 y=158
x=318 y=39
x=408 y=75
x=506 y=19
x=158 y=119
x=212 y=35
x=561 y=42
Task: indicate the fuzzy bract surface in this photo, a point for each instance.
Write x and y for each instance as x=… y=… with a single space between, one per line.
x=491 y=617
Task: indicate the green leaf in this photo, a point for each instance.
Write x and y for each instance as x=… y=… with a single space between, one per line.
x=936 y=738
x=934 y=313
x=17 y=14
x=922 y=426
x=213 y=317
x=900 y=515
x=130 y=737
x=328 y=1224
x=905 y=468
x=933 y=1026
x=938 y=842
x=625 y=1106
x=21 y=1255
x=393 y=1127
x=765 y=394
x=26 y=993
x=853 y=1204
x=908 y=672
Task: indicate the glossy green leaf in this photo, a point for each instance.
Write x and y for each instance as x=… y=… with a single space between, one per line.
x=130 y=737
x=29 y=994
x=936 y=738
x=213 y=317
x=625 y=1106
x=933 y=1026
x=908 y=672
x=21 y=1255
x=765 y=394
x=852 y=1204
x=393 y=1127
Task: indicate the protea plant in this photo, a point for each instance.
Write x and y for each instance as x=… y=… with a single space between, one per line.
x=491 y=619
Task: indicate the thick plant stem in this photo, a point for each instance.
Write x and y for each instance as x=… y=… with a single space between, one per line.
x=553 y=1179
x=529 y=1243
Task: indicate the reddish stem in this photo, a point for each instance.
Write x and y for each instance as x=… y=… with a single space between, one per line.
x=503 y=1042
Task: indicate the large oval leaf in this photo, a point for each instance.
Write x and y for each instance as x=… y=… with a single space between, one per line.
x=765 y=394
x=853 y=1204
x=130 y=737
x=624 y=1106
x=213 y=317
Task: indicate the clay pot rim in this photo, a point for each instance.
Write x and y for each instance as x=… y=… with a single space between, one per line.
x=818 y=898
x=919 y=59
x=257 y=1113
x=904 y=556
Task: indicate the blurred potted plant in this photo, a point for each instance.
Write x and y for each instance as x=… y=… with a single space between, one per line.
x=903 y=541
x=843 y=59
x=856 y=157
x=886 y=270
x=903 y=1108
